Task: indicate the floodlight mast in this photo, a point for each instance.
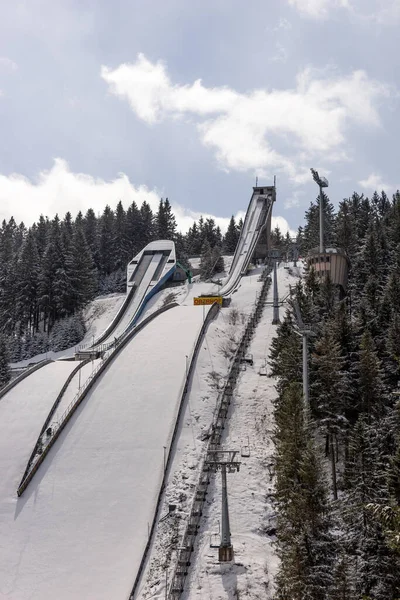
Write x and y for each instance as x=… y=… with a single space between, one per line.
x=321 y=182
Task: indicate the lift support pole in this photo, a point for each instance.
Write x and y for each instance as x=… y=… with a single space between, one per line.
x=226 y=546
x=275 y=319
x=224 y=460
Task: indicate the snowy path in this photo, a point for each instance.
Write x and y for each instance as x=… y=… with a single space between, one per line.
x=251 y=510
x=81 y=526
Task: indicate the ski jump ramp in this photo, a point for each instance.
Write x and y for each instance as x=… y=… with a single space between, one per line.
x=257 y=222
x=146 y=274
x=81 y=526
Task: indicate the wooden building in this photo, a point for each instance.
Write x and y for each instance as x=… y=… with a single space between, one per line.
x=333 y=261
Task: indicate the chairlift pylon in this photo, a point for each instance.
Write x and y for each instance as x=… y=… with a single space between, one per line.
x=215 y=538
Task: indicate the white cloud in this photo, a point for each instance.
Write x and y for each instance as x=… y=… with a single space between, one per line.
x=318 y=9
x=374 y=183
x=59 y=190
x=7 y=63
x=283 y=25
x=280 y=55
x=262 y=130
x=283 y=226
x=377 y=12
x=295 y=199
x=389 y=14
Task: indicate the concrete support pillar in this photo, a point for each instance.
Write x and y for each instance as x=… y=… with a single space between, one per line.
x=225 y=550
x=275 y=319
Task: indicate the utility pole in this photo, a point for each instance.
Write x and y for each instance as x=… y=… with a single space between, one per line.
x=304 y=331
x=321 y=182
x=275 y=319
x=224 y=461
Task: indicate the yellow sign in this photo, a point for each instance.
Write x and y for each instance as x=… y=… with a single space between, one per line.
x=202 y=300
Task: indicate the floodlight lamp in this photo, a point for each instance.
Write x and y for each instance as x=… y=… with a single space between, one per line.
x=321 y=181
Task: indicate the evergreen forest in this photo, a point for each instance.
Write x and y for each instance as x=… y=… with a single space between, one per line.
x=51 y=270
x=338 y=459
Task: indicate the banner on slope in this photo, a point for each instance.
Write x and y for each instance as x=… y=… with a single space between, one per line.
x=202 y=300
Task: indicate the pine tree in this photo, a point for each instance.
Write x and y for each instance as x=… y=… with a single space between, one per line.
x=285 y=355
x=134 y=231
x=8 y=265
x=27 y=284
x=369 y=379
x=51 y=287
x=375 y=567
x=345 y=229
x=311 y=228
x=329 y=392
x=91 y=231
x=122 y=249
x=5 y=374
x=41 y=234
x=165 y=222
x=146 y=225
x=206 y=260
x=66 y=231
x=305 y=546
x=107 y=241
x=217 y=261
x=277 y=239
x=80 y=270
x=193 y=241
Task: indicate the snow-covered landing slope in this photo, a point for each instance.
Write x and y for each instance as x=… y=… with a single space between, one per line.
x=79 y=530
x=22 y=413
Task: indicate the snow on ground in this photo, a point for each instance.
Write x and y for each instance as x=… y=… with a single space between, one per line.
x=22 y=413
x=101 y=311
x=80 y=528
x=74 y=387
x=211 y=365
x=250 y=491
x=98 y=314
x=228 y=259
x=213 y=362
x=250 y=417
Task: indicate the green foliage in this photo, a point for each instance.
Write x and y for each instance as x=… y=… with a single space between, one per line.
x=355 y=364
x=305 y=545
x=5 y=374
x=231 y=237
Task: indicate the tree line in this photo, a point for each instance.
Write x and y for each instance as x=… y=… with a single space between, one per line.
x=338 y=460
x=49 y=271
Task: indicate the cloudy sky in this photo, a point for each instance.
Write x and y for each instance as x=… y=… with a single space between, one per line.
x=104 y=100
